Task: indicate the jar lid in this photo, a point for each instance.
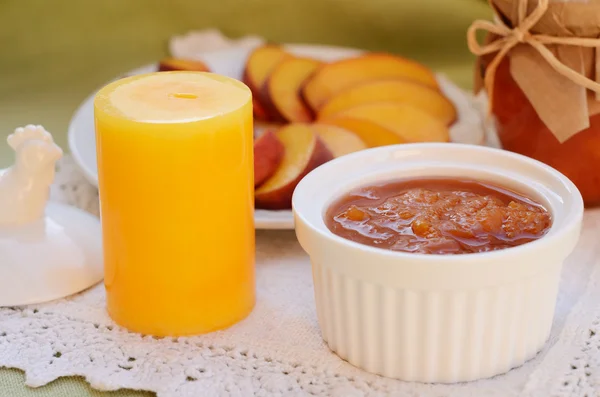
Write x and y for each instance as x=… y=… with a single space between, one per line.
x=47 y=250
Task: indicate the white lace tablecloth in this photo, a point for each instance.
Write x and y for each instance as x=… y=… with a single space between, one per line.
x=277 y=350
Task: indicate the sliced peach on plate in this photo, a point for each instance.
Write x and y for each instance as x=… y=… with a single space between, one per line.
x=260 y=127
x=259 y=65
x=259 y=112
x=387 y=123
x=370 y=132
x=268 y=153
x=334 y=77
x=338 y=140
x=304 y=151
x=405 y=91
x=282 y=88
x=175 y=64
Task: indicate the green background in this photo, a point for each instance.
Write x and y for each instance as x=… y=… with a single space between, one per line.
x=54 y=53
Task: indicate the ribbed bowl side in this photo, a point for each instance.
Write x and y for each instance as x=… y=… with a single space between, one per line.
x=438 y=335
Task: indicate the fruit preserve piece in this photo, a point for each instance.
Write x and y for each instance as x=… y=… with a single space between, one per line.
x=438 y=216
x=521 y=130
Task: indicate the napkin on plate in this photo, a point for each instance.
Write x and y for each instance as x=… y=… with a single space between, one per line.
x=193 y=43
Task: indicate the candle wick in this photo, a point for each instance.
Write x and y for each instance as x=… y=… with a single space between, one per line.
x=184 y=96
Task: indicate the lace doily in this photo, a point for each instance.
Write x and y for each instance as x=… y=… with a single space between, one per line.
x=278 y=349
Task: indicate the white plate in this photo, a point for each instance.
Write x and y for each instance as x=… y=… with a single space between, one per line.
x=230 y=62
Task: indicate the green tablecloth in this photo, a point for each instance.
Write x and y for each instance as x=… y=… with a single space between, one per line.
x=54 y=53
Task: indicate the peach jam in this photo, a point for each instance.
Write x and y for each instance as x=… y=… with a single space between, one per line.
x=438 y=216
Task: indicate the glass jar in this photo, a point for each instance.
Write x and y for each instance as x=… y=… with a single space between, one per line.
x=520 y=130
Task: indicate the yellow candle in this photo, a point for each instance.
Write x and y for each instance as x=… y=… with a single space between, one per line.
x=175 y=173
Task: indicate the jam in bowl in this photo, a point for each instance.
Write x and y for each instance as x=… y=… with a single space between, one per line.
x=436 y=262
x=438 y=216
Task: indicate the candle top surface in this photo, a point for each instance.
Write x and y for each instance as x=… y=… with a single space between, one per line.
x=170 y=97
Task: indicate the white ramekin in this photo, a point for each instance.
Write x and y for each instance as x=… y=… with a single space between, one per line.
x=436 y=318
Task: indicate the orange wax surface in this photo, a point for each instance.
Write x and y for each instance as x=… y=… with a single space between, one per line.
x=175 y=170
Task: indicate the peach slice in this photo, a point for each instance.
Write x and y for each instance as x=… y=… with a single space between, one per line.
x=261 y=127
x=304 y=151
x=423 y=97
x=259 y=112
x=338 y=140
x=259 y=65
x=175 y=64
x=379 y=124
x=268 y=153
x=337 y=76
x=371 y=133
x=282 y=88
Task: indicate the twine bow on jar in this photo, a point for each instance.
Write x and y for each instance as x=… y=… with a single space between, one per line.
x=510 y=37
